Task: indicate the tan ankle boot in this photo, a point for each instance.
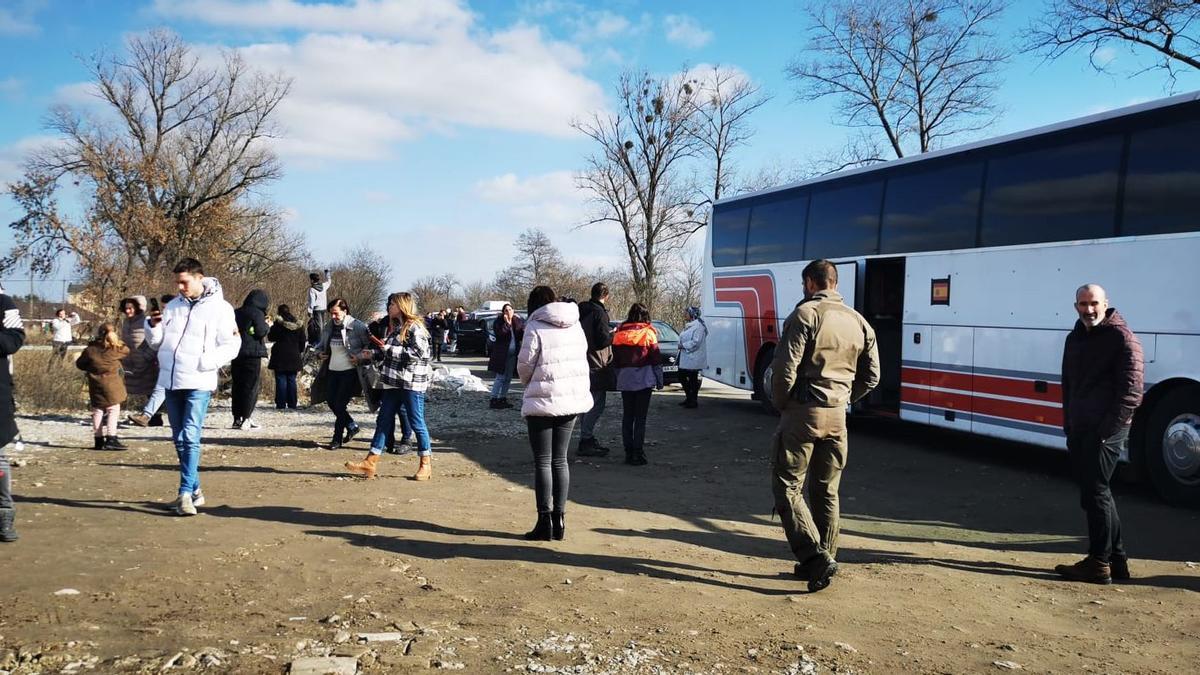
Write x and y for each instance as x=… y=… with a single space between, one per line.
x=365 y=468
x=424 y=469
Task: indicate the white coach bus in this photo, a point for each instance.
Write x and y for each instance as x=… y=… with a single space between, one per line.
x=966 y=262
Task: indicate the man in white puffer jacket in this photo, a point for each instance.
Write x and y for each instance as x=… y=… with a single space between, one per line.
x=195 y=336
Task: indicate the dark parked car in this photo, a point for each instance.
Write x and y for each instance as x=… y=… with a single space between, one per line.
x=475 y=334
x=668 y=348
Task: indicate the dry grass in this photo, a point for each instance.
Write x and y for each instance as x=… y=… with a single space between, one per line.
x=43 y=384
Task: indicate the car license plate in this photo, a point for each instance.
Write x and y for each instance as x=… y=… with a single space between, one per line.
x=670 y=369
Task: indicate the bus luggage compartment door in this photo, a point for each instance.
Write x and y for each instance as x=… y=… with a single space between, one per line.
x=914 y=374
x=951 y=362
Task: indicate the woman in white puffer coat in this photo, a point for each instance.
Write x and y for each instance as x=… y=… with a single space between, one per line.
x=554 y=369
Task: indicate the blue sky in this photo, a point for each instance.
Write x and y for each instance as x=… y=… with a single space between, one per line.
x=437 y=129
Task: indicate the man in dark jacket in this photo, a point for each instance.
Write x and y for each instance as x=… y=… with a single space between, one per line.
x=246 y=369
x=593 y=317
x=12 y=336
x=1101 y=388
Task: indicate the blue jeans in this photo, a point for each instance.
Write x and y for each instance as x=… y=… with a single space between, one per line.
x=414 y=407
x=391 y=406
x=503 y=380
x=285 y=390
x=155 y=401
x=186 y=409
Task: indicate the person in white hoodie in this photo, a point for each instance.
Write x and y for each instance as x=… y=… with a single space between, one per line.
x=693 y=356
x=195 y=335
x=553 y=366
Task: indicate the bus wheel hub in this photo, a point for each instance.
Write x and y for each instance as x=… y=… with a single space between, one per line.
x=1181 y=447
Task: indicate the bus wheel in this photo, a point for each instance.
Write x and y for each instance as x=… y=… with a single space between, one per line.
x=764 y=370
x=1172 y=450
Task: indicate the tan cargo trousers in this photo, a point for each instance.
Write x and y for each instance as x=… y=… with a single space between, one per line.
x=809 y=446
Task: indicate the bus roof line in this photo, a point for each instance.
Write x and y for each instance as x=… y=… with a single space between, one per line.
x=1017 y=135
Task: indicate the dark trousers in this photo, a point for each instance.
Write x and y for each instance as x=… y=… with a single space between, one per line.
x=690 y=379
x=285 y=390
x=633 y=421
x=549 y=437
x=6 y=501
x=1094 y=460
x=246 y=375
x=437 y=346
x=340 y=385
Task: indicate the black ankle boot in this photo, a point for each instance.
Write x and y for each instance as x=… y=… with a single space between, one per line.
x=558 y=525
x=114 y=443
x=7 y=531
x=543 y=531
x=99 y=440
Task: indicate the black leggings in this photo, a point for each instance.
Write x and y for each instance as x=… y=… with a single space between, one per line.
x=633 y=421
x=246 y=376
x=550 y=437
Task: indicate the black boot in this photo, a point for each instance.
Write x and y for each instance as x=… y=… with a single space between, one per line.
x=543 y=531
x=99 y=443
x=7 y=531
x=156 y=420
x=558 y=525
x=588 y=447
x=494 y=404
x=114 y=443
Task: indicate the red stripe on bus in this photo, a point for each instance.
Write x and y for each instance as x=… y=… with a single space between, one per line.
x=982 y=384
x=1013 y=410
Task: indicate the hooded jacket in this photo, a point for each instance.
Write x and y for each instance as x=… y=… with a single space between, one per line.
x=252 y=324
x=12 y=336
x=1102 y=377
x=553 y=363
x=693 y=348
x=194 y=339
x=141 y=365
x=287 y=348
x=636 y=357
x=103 y=367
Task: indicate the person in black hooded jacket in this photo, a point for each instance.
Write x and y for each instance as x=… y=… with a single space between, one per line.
x=12 y=336
x=287 y=356
x=246 y=369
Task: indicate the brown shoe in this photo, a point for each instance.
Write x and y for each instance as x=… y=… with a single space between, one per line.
x=1088 y=570
x=424 y=469
x=141 y=419
x=365 y=468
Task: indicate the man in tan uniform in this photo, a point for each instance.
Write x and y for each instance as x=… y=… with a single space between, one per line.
x=826 y=360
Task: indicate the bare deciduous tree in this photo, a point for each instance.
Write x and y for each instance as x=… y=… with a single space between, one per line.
x=727 y=99
x=1167 y=28
x=167 y=165
x=638 y=174
x=919 y=72
x=435 y=292
x=361 y=278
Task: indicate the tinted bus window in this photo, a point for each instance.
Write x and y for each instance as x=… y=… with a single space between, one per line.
x=934 y=210
x=777 y=231
x=729 y=236
x=844 y=221
x=1162 y=183
x=1057 y=193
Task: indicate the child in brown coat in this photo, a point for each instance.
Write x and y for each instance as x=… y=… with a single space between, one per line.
x=101 y=360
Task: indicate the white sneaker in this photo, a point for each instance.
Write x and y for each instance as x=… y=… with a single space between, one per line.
x=251 y=424
x=186 y=506
x=197 y=498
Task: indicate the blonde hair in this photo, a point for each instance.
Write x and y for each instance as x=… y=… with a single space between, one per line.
x=108 y=337
x=407 y=304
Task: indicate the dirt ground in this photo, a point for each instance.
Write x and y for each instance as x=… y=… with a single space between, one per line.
x=677 y=566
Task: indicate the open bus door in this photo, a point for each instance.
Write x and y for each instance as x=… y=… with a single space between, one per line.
x=883 y=308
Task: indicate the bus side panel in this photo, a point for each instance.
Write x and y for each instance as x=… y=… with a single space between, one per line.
x=915 y=374
x=1016 y=385
x=951 y=351
x=1172 y=356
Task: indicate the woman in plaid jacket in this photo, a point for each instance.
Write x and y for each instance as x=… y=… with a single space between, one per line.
x=403 y=356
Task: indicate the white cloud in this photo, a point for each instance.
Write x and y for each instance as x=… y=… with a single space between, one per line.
x=391 y=18
x=554 y=203
x=686 y=31
x=430 y=70
x=12 y=88
x=1104 y=56
x=17 y=18
x=13 y=156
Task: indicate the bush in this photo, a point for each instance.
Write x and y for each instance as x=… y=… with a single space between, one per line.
x=42 y=383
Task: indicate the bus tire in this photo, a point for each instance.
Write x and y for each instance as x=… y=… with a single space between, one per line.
x=1171 y=452
x=762 y=380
